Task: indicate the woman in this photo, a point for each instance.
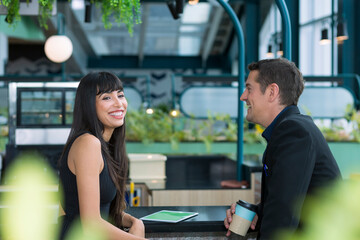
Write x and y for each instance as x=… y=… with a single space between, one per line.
x=93 y=166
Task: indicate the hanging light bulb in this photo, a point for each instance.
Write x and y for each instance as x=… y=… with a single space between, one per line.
x=341 y=34
x=88 y=11
x=58 y=48
x=280 y=51
x=193 y=2
x=324 y=37
x=269 y=53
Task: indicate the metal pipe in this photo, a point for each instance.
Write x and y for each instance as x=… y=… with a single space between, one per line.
x=173 y=91
x=287 y=27
x=241 y=77
x=148 y=93
x=61 y=31
x=332 y=37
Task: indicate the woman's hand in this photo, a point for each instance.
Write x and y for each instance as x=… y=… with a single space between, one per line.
x=137 y=228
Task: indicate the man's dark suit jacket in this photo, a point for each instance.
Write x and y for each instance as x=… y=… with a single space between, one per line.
x=296 y=161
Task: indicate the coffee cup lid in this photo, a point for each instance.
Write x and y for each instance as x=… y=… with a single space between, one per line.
x=251 y=207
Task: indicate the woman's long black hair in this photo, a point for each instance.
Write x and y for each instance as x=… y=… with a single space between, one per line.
x=85 y=120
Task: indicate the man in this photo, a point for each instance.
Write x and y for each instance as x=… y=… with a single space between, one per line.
x=297 y=159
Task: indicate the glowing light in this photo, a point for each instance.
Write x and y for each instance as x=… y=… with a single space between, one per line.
x=193 y=2
x=149 y=111
x=174 y=113
x=58 y=48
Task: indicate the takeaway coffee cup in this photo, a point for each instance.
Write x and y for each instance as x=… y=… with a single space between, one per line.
x=241 y=220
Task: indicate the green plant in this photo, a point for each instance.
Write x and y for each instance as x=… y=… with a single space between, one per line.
x=207 y=133
x=127 y=12
x=161 y=127
x=45 y=10
x=331 y=214
x=229 y=131
x=13 y=8
x=124 y=11
x=335 y=133
x=191 y=130
x=252 y=133
x=353 y=116
x=148 y=128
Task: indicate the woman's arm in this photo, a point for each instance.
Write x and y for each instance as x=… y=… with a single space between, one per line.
x=136 y=225
x=86 y=162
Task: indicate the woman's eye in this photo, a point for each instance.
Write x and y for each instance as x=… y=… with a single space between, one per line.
x=121 y=95
x=106 y=98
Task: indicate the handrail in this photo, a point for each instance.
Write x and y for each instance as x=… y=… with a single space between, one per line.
x=287 y=31
x=241 y=66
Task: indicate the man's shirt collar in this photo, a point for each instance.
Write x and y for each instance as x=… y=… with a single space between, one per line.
x=268 y=131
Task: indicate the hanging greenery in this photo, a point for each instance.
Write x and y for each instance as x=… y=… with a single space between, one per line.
x=13 y=8
x=122 y=11
x=45 y=10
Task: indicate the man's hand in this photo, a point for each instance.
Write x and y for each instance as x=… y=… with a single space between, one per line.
x=253 y=223
x=229 y=213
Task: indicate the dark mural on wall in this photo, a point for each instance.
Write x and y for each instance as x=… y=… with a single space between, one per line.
x=158 y=90
x=25 y=67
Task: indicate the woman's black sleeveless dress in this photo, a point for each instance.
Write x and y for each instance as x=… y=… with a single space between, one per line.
x=70 y=200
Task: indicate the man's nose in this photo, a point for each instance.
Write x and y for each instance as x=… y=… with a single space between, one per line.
x=243 y=96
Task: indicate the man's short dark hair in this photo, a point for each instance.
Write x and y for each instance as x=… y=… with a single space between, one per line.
x=282 y=72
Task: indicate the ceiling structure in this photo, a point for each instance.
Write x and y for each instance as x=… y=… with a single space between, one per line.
x=199 y=38
x=202 y=38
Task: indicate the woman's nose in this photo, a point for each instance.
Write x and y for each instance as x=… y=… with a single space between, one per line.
x=117 y=102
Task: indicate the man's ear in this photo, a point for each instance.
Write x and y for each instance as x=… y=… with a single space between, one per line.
x=274 y=92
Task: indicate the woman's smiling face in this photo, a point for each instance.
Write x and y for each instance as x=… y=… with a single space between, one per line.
x=111 y=109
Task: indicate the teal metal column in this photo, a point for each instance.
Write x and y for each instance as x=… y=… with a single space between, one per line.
x=293 y=7
x=148 y=93
x=357 y=38
x=61 y=31
x=173 y=93
x=241 y=74
x=332 y=37
x=286 y=28
x=349 y=45
x=252 y=29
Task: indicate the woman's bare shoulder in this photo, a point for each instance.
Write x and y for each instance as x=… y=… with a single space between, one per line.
x=87 y=139
x=86 y=149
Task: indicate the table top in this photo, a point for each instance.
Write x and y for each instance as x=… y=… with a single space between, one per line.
x=209 y=219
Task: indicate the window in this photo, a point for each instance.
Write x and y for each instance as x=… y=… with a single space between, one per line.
x=316 y=59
